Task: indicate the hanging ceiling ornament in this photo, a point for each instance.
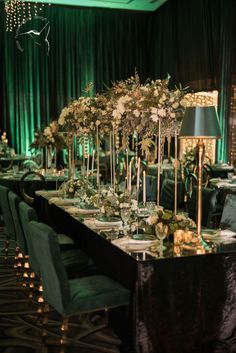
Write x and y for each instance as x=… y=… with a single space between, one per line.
x=18 y=11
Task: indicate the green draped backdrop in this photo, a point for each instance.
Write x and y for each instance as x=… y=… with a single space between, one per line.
x=191 y=40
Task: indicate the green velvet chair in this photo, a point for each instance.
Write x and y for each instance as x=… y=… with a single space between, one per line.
x=71 y=297
x=22 y=257
x=8 y=221
x=75 y=260
x=228 y=217
x=14 y=201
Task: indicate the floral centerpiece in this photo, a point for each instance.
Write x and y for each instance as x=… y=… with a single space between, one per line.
x=138 y=107
x=167 y=217
x=48 y=137
x=78 y=187
x=5 y=150
x=110 y=203
x=85 y=114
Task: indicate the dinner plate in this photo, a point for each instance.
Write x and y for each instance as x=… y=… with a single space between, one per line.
x=108 y=219
x=133 y=245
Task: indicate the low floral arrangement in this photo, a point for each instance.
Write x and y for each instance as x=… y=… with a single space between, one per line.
x=78 y=187
x=5 y=149
x=110 y=203
x=167 y=217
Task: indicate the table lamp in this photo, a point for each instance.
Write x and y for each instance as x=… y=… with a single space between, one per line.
x=200 y=123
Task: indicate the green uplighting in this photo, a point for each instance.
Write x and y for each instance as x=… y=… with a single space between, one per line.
x=135 y=5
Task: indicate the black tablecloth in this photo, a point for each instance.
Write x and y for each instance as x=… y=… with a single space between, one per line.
x=14 y=184
x=179 y=305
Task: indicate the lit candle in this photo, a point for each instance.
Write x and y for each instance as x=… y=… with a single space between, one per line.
x=98 y=167
x=93 y=161
x=127 y=168
x=87 y=165
x=113 y=158
x=144 y=187
x=130 y=176
x=111 y=168
x=138 y=173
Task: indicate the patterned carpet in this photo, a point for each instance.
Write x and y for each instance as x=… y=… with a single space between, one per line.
x=24 y=330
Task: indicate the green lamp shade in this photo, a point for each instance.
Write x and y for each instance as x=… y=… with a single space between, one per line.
x=200 y=122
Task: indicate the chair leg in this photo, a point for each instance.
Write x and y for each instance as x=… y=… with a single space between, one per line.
x=44 y=320
x=64 y=330
x=40 y=299
x=18 y=262
x=6 y=250
x=26 y=272
x=31 y=285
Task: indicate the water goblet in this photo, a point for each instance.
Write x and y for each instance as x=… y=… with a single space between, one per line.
x=125 y=214
x=151 y=205
x=161 y=231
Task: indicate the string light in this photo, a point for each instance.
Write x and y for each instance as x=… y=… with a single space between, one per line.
x=18 y=11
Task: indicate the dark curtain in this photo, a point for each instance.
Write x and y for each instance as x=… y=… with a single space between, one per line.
x=191 y=40
x=195 y=42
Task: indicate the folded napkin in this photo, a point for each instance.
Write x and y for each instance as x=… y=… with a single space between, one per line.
x=98 y=225
x=222 y=184
x=71 y=209
x=88 y=211
x=60 y=201
x=219 y=235
x=47 y=193
x=129 y=244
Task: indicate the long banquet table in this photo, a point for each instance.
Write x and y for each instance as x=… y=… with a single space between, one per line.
x=179 y=304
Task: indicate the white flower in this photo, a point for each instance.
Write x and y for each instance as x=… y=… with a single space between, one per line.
x=154 y=118
x=124 y=205
x=134 y=205
x=151 y=220
x=153 y=110
x=136 y=113
x=175 y=105
x=120 y=108
x=161 y=112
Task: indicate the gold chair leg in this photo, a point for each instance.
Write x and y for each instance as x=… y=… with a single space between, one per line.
x=64 y=330
x=40 y=298
x=18 y=263
x=31 y=285
x=26 y=272
x=6 y=250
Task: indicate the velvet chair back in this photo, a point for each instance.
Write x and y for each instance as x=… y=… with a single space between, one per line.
x=6 y=211
x=168 y=192
x=209 y=206
x=14 y=201
x=27 y=214
x=228 y=218
x=71 y=296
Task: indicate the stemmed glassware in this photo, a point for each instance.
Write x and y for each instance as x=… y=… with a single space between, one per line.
x=151 y=205
x=161 y=231
x=125 y=214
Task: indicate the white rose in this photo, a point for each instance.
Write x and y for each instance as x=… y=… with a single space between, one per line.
x=151 y=220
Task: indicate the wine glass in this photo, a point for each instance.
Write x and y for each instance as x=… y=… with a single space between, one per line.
x=151 y=205
x=161 y=231
x=125 y=214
